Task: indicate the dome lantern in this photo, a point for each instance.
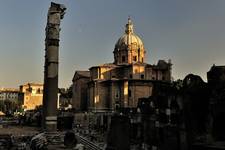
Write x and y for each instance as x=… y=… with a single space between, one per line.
x=129 y=27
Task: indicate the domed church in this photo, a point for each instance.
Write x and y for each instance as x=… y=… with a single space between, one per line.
x=123 y=82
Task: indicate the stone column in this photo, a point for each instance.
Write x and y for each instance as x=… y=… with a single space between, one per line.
x=55 y=14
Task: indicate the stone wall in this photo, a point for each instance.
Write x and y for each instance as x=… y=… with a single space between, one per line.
x=80 y=94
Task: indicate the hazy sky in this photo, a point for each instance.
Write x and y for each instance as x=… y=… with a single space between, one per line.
x=190 y=32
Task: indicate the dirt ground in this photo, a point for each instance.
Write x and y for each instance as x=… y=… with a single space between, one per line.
x=19 y=130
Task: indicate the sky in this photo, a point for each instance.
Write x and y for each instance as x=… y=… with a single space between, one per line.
x=189 y=32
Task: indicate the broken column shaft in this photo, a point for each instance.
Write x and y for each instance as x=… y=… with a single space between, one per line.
x=50 y=95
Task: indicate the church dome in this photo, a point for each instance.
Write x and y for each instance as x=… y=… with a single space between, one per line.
x=129 y=48
x=129 y=38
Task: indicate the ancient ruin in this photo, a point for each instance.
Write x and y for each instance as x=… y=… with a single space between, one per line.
x=125 y=105
x=55 y=14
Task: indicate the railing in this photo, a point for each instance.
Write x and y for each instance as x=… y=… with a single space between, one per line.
x=88 y=144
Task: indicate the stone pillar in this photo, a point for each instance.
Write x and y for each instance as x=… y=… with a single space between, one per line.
x=55 y=14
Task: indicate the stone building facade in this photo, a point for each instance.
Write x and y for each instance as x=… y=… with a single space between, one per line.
x=128 y=78
x=32 y=95
x=79 y=88
x=9 y=94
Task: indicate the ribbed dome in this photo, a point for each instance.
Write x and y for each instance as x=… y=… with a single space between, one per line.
x=129 y=39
